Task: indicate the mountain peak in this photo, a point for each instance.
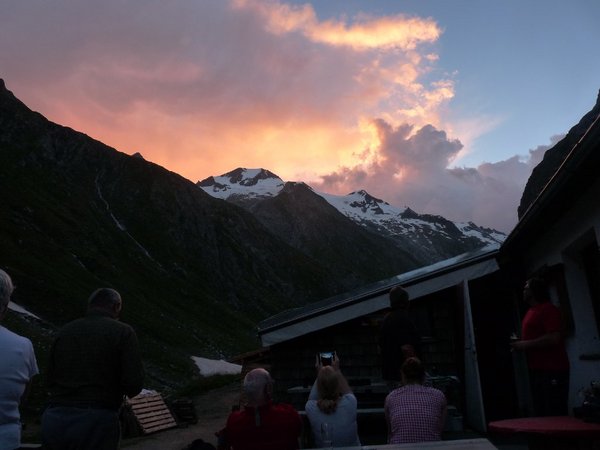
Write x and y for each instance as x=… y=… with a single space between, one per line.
x=248 y=187
x=249 y=177
x=243 y=183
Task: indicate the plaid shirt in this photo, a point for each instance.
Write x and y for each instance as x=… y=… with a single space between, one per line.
x=415 y=413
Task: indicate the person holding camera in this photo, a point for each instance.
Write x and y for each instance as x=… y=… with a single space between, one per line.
x=331 y=407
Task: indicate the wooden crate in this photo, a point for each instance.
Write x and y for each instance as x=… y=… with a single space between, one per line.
x=151 y=413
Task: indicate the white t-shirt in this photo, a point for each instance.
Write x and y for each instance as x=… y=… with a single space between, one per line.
x=17 y=367
x=343 y=420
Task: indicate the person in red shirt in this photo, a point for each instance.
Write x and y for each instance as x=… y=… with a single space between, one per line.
x=262 y=424
x=542 y=341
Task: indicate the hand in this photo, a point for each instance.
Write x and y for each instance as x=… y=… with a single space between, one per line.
x=318 y=364
x=335 y=362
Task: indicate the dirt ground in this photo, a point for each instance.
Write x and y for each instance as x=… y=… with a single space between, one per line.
x=212 y=409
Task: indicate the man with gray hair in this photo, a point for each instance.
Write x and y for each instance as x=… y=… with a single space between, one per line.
x=262 y=424
x=17 y=367
x=94 y=362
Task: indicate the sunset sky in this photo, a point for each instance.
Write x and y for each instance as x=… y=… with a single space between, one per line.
x=443 y=106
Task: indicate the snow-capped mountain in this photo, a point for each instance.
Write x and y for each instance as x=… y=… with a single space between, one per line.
x=243 y=184
x=247 y=187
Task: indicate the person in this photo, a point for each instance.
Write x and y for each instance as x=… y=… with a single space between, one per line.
x=94 y=361
x=542 y=342
x=332 y=402
x=398 y=337
x=261 y=424
x=17 y=367
x=413 y=412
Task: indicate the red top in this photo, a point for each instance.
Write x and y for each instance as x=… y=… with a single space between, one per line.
x=554 y=425
x=542 y=319
x=269 y=427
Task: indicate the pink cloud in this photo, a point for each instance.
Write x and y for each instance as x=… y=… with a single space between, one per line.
x=414 y=171
x=203 y=87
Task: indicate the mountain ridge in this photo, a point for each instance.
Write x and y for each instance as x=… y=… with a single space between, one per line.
x=78 y=215
x=429 y=238
x=196 y=273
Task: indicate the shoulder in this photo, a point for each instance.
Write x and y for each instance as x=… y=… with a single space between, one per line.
x=549 y=308
x=434 y=393
x=235 y=417
x=310 y=406
x=349 y=399
x=111 y=324
x=284 y=408
x=395 y=394
x=14 y=339
x=547 y=312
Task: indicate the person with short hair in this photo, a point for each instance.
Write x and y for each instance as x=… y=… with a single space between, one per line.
x=261 y=424
x=332 y=402
x=398 y=338
x=17 y=367
x=414 y=413
x=94 y=362
x=542 y=342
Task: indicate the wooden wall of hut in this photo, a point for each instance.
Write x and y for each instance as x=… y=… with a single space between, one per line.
x=437 y=316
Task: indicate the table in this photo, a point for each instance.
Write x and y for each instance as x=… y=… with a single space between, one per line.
x=555 y=432
x=457 y=444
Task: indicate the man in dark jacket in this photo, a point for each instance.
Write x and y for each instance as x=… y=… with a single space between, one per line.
x=398 y=339
x=94 y=362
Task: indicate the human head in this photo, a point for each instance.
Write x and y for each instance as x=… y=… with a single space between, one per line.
x=412 y=371
x=106 y=299
x=398 y=298
x=536 y=290
x=6 y=290
x=258 y=387
x=328 y=386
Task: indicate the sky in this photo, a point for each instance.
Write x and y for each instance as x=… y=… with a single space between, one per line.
x=441 y=106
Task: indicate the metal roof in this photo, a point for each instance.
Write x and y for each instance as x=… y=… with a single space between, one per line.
x=348 y=300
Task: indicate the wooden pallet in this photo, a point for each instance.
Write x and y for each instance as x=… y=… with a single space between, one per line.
x=151 y=413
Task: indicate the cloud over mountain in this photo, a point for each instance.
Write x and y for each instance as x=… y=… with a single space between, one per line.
x=201 y=87
x=204 y=86
x=412 y=167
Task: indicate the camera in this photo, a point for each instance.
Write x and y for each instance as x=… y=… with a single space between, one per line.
x=326 y=358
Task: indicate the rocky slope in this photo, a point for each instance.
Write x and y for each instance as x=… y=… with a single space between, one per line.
x=196 y=274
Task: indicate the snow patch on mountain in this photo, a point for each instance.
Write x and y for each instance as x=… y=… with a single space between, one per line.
x=488 y=235
x=241 y=182
x=250 y=184
x=209 y=367
x=360 y=206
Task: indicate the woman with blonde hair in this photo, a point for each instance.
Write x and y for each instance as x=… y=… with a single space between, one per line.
x=331 y=408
